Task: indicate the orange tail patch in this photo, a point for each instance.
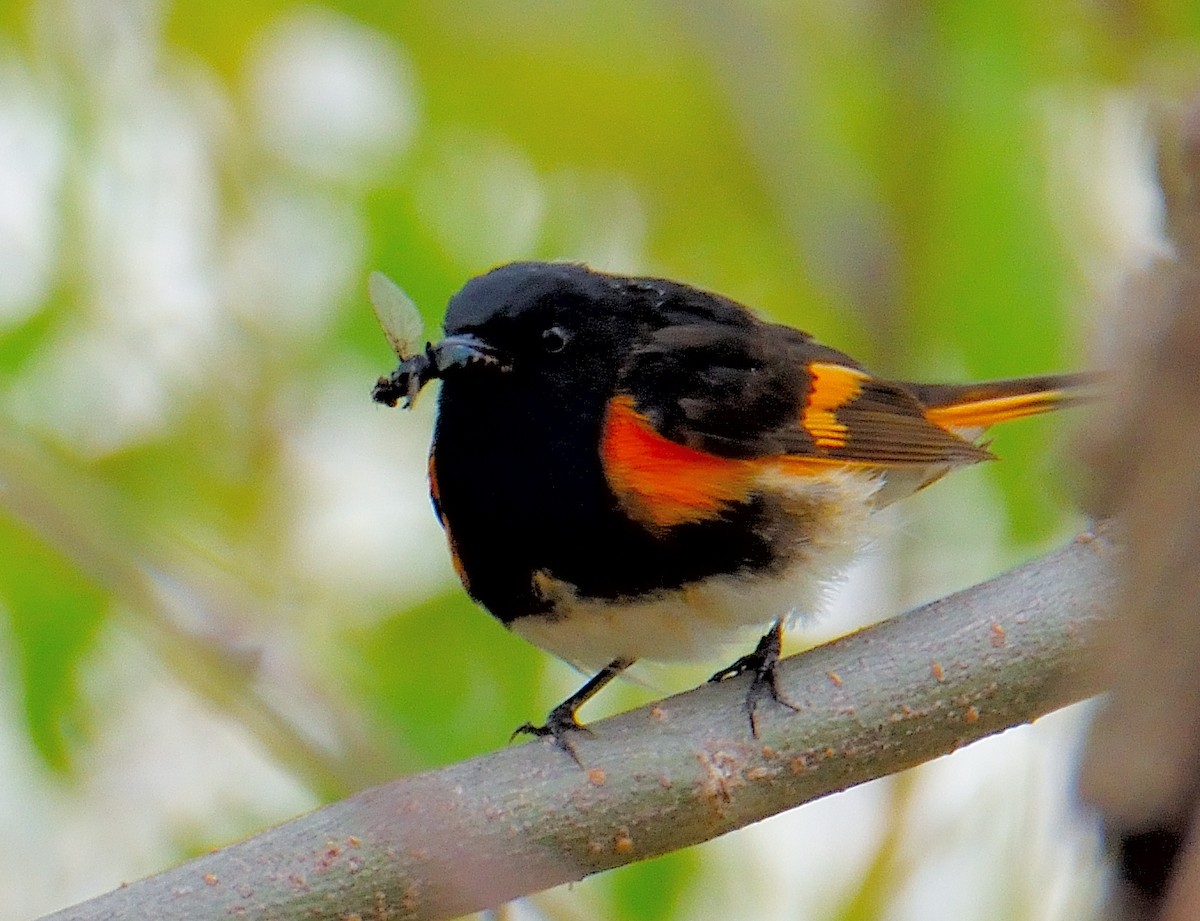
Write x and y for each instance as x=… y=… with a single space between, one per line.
x=981 y=412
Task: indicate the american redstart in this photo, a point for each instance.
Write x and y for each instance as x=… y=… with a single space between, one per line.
x=631 y=468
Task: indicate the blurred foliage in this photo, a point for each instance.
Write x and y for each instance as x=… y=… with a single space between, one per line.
x=55 y=612
x=480 y=677
x=654 y=888
x=193 y=195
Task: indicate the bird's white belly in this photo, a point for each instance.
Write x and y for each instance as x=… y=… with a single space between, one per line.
x=700 y=619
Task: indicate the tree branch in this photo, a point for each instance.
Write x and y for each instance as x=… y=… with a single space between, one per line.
x=673 y=774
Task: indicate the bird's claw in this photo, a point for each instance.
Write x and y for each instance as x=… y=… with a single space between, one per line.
x=559 y=726
x=763 y=664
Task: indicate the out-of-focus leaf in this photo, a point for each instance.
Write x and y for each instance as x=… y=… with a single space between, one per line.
x=447 y=679
x=19 y=342
x=55 y=613
x=163 y=482
x=877 y=887
x=652 y=889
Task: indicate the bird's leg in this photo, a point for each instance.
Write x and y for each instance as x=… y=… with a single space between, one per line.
x=762 y=663
x=561 y=721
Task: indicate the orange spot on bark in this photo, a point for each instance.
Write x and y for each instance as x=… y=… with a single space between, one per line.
x=622 y=843
x=999 y=637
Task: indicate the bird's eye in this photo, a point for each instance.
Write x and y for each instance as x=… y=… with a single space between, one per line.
x=554 y=339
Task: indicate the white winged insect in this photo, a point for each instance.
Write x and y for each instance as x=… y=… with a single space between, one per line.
x=397 y=314
x=402 y=325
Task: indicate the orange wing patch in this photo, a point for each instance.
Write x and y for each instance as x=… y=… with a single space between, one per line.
x=832 y=386
x=662 y=483
x=981 y=413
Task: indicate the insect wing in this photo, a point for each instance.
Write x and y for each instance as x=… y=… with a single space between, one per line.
x=397 y=314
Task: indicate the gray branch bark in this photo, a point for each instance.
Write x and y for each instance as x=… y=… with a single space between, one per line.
x=673 y=774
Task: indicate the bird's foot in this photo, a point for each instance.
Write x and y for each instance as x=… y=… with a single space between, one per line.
x=762 y=663
x=560 y=725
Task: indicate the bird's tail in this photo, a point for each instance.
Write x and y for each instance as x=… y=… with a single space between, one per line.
x=974 y=407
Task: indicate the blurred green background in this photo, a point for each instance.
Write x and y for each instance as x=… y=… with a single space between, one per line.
x=223 y=597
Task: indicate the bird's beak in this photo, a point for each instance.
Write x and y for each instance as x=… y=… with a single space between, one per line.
x=462 y=351
x=447 y=357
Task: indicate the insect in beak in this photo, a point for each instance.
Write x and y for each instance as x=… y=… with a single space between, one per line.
x=450 y=355
x=401 y=323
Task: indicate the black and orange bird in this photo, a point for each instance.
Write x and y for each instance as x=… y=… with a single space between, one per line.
x=632 y=468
